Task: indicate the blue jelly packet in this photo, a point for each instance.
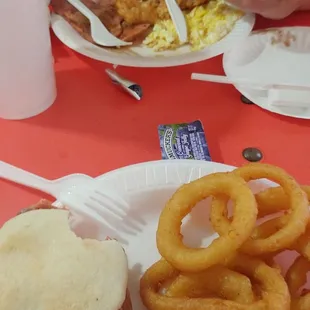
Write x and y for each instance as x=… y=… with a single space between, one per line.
x=183 y=141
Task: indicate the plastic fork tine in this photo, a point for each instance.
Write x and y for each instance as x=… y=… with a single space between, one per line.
x=75 y=204
x=112 y=221
x=98 y=205
x=107 y=204
x=120 y=203
x=129 y=230
x=132 y=224
x=119 y=208
x=102 y=208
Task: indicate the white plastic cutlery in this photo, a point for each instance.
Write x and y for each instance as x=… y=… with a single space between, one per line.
x=80 y=193
x=285 y=94
x=99 y=32
x=178 y=19
x=222 y=79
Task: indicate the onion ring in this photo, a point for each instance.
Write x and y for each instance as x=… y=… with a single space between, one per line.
x=301 y=303
x=274 y=199
x=296 y=277
x=169 y=238
x=297 y=220
x=275 y=294
x=269 y=259
x=302 y=244
x=189 y=290
x=266 y=229
x=220 y=280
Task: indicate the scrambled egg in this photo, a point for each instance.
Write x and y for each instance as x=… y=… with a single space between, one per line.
x=206 y=24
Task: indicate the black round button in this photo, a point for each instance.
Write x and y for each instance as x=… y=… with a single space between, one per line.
x=252 y=154
x=246 y=100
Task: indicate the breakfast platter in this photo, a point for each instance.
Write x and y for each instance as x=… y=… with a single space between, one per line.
x=213 y=29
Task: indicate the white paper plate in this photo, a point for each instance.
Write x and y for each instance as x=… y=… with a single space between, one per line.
x=257 y=59
x=146 y=57
x=147 y=187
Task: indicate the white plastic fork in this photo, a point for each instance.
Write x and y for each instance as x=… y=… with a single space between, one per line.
x=99 y=32
x=178 y=19
x=261 y=84
x=81 y=194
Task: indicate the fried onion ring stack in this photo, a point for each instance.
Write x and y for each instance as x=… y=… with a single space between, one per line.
x=296 y=277
x=237 y=270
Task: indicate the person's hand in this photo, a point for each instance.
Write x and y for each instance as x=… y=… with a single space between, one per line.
x=275 y=9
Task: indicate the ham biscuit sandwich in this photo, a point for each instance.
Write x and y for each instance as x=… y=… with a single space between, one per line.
x=45 y=266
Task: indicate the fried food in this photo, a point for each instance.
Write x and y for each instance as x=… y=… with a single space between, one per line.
x=222 y=276
x=107 y=13
x=150 y=11
x=269 y=259
x=302 y=303
x=274 y=199
x=296 y=277
x=294 y=223
x=219 y=280
x=169 y=238
x=275 y=294
x=300 y=245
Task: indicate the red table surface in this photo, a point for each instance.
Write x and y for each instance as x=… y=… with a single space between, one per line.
x=93 y=127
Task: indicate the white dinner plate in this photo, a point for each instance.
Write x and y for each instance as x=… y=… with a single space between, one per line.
x=146 y=57
x=147 y=187
x=257 y=59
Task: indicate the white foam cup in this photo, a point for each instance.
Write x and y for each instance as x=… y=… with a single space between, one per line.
x=27 y=77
